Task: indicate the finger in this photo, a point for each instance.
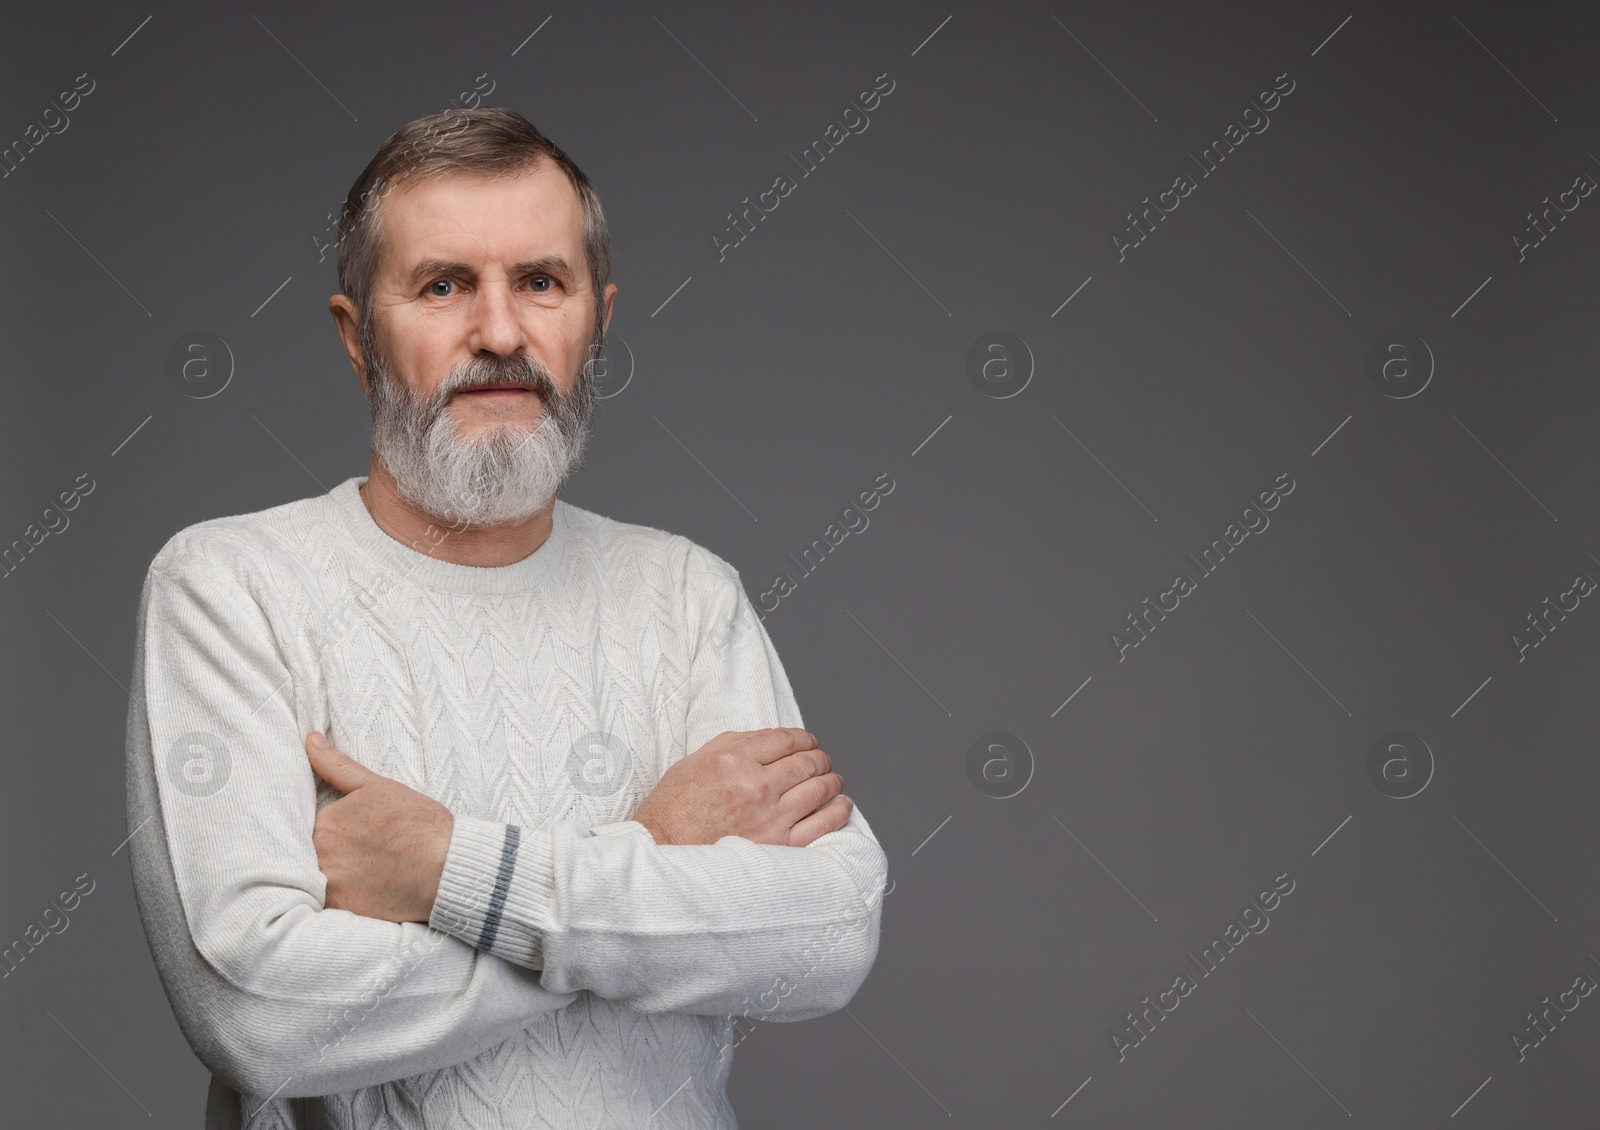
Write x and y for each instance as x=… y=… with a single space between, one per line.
x=767 y=746
x=809 y=796
x=829 y=818
x=335 y=766
x=787 y=772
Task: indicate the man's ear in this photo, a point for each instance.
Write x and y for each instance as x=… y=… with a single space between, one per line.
x=611 y=297
x=347 y=322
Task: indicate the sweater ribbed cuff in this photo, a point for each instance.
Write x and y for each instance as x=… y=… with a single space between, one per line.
x=494 y=893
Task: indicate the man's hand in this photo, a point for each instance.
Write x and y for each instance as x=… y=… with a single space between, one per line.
x=382 y=845
x=768 y=786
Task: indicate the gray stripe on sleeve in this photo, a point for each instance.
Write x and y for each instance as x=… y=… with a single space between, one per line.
x=502 y=885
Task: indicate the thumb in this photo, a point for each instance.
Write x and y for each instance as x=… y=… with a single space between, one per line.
x=335 y=766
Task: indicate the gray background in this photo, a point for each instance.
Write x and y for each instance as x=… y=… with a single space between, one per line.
x=775 y=385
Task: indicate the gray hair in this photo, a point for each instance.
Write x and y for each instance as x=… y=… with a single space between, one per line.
x=486 y=141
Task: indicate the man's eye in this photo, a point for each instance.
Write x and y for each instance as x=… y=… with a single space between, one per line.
x=541 y=283
x=440 y=288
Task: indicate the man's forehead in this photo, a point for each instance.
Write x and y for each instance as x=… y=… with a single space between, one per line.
x=468 y=218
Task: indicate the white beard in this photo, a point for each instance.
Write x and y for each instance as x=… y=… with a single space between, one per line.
x=508 y=473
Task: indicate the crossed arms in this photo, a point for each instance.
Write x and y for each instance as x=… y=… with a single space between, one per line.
x=280 y=991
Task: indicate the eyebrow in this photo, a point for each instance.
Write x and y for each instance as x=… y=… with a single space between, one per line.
x=548 y=264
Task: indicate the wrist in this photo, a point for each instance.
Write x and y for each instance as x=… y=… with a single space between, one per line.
x=435 y=853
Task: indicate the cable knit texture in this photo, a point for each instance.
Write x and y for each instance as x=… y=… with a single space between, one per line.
x=574 y=973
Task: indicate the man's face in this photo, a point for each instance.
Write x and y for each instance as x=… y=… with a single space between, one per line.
x=475 y=354
x=479 y=267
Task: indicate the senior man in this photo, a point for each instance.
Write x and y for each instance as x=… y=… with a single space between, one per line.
x=456 y=805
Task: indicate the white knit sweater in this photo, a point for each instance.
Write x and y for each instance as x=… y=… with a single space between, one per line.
x=574 y=973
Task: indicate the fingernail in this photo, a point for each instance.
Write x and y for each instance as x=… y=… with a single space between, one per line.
x=319 y=741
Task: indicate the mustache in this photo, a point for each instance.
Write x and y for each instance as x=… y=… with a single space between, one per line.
x=489 y=371
x=492 y=371
x=418 y=412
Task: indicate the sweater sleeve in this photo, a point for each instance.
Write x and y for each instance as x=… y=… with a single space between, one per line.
x=277 y=993
x=735 y=927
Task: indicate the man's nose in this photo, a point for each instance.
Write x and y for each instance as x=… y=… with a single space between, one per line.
x=496 y=327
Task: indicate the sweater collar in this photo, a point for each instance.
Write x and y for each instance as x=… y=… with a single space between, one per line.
x=427 y=569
